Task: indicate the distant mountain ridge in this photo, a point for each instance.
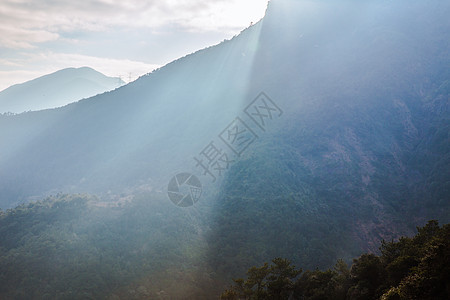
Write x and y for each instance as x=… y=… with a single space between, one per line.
x=361 y=152
x=56 y=89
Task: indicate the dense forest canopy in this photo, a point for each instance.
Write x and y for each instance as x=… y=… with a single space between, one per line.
x=410 y=268
x=353 y=150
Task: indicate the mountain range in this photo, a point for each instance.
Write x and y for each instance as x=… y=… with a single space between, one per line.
x=56 y=89
x=315 y=133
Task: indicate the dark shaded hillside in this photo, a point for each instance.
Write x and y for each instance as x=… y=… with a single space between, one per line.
x=79 y=247
x=360 y=152
x=363 y=150
x=411 y=268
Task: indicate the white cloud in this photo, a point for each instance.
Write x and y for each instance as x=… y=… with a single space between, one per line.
x=22 y=38
x=27 y=22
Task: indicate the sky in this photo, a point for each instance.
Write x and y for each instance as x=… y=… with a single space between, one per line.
x=125 y=38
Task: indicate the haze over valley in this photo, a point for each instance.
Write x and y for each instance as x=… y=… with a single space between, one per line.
x=319 y=135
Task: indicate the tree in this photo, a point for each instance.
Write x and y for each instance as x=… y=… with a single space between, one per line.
x=266 y=282
x=280 y=280
x=409 y=269
x=367 y=274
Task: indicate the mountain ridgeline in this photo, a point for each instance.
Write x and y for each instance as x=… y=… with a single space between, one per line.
x=57 y=89
x=357 y=148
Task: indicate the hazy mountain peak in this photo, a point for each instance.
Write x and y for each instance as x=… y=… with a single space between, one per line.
x=56 y=89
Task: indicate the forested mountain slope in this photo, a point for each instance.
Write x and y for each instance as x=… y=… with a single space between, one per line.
x=352 y=146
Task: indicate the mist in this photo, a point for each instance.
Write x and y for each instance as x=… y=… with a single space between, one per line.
x=344 y=109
